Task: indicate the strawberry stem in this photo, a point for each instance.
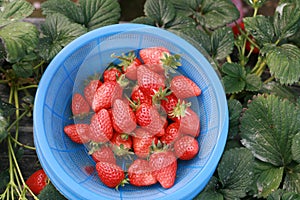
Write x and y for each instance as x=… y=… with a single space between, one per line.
x=180 y=109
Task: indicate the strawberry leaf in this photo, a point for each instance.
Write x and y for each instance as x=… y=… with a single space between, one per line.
x=292 y=179
x=161 y=11
x=283 y=195
x=282 y=91
x=209 y=195
x=222 y=42
x=6 y=109
x=3 y=126
x=253 y=82
x=267 y=128
x=234 y=78
x=20 y=38
x=268 y=178
x=144 y=20
x=235 y=109
x=58 y=31
x=284 y=62
x=286 y=20
x=50 y=192
x=235 y=172
x=296 y=148
x=261 y=28
x=12 y=11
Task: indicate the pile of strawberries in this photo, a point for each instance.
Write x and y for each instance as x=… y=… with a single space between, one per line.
x=138 y=110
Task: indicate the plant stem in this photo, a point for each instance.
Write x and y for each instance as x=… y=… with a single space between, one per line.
x=40 y=64
x=27 y=87
x=16 y=97
x=17 y=120
x=22 y=145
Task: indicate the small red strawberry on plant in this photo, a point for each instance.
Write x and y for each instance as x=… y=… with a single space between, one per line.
x=129 y=64
x=186 y=148
x=79 y=105
x=101 y=127
x=78 y=133
x=140 y=173
x=37 y=181
x=164 y=165
x=111 y=174
x=123 y=117
x=183 y=87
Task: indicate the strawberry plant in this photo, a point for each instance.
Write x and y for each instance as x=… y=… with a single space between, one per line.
x=258 y=62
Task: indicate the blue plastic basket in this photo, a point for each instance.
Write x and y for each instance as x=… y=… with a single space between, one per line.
x=64 y=161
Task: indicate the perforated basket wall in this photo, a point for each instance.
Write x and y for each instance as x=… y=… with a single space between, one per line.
x=65 y=161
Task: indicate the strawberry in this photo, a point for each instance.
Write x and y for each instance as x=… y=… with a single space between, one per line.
x=142 y=141
x=164 y=166
x=171 y=134
x=123 y=117
x=111 y=174
x=37 y=181
x=101 y=126
x=148 y=117
x=104 y=154
x=129 y=64
x=140 y=173
x=149 y=81
x=79 y=105
x=78 y=133
x=189 y=120
x=183 y=87
x=111 y=74
x=159 y=59
x=122 y=144
x=106 y=94
x=186 y=148
x=169 y=102
x=90 y=90
x=139 y=97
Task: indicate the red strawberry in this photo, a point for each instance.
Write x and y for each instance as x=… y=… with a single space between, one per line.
x=139 y=97
x=37 y=181
x=123 y=117
x=79 y=105
x=101 y=126
x=149 y=81
x=140 y=173
x=104 y=154
x=169 y=102
x=142 y=142
x=79 y=133
x=111 y=74
x=122 y=144
x=148 y=117
x=171 y=134
x=129 y=64
x=164 y=166
x=183 y=87
x=106 y=94
x=90 y=90
x=186 y=148
x=111 y=174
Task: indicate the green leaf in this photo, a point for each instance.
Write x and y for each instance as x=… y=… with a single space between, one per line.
x=7 y=109
x=234 y=80
x=286 y=20
x=284 y=62
x=144 y=20
x=235 y=110
x=19 y=38
x=253 y=82
x=222 y=42
x=283 y=195
x=50 y=193
x=235 y=172
x=14 y=11
x=4 y=178
x=64 y=7
x=58 y=31
x=261 y=28
x=282 y=91
x=24 y=68
x=216 y=13
x=292 y=179
x=268 y=178
x=161 y=11
x=98 y=13
x=296 y=148
x=267 y=128
x=187 y=7
x=209 y=195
